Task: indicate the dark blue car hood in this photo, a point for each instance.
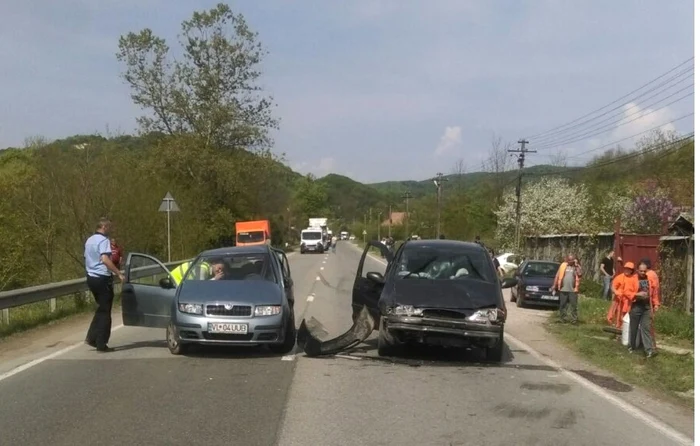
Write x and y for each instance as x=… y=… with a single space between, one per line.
x=255 y=292
x=465 y=294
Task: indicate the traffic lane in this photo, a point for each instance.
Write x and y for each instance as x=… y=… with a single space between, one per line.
x=433 y=397
x=144 y=395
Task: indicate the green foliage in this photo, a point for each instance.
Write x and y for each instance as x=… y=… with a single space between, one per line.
x=211 y=91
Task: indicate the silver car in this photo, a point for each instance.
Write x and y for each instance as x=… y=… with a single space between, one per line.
x=228 y=296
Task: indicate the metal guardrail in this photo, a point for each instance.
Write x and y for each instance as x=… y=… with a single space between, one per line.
x=49 y=291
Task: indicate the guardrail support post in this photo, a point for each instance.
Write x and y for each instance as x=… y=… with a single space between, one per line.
x=52 y=305
x=6 y=316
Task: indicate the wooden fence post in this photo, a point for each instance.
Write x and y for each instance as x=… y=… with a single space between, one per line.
x=6 y=316
x=689 y=280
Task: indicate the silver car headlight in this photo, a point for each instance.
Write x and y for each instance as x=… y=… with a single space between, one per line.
x=191 y=308
x=406 y=310
x=268 y=310
x=532 y=288
x=484 y=316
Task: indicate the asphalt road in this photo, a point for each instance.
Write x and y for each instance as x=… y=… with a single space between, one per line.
x=140 y=394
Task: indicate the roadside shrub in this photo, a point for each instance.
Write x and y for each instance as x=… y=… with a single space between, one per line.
x=675 y=323
x=591 y=288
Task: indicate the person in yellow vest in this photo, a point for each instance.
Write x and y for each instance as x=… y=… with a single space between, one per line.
x=179 y=272
x=566 y=283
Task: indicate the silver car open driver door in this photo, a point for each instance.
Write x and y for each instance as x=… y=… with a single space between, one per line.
x=147 y=293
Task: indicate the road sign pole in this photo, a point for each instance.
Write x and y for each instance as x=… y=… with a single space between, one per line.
x=168 y=205
x=168 y=213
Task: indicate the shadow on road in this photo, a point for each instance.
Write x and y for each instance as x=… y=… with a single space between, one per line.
x=428 y=356
x=208 y=351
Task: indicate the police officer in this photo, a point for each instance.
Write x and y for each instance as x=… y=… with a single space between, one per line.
x=100 y=269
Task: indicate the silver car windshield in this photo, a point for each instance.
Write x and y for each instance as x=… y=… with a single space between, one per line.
x=311 y=235
x=233 y=267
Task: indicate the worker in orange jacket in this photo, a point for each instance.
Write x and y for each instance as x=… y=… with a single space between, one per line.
x=624 y=287
x=566 y=283
x=644 y=304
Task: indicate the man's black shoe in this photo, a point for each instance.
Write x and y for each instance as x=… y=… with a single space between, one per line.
x=104 y=349
x=91 y=343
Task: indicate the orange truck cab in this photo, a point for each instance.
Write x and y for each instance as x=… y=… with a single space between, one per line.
x=250 y=233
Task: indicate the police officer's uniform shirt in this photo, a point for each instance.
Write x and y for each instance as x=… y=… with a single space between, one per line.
x=95 y=246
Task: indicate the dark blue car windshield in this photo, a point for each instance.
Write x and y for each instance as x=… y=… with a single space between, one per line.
x=444 y=264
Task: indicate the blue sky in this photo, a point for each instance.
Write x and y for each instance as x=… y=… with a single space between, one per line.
x=376 y=90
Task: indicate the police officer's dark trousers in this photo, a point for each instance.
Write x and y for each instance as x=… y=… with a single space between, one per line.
x=102 y=288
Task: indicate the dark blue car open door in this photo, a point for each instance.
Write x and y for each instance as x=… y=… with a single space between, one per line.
x=366 y=291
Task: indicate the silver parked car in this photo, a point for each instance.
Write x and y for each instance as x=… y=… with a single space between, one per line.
x=228 y=296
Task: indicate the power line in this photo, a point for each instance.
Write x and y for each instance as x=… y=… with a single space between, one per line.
x=620 y=116
x=609 y=104
x=679 y=143
x=621 y=106
x=609 y=127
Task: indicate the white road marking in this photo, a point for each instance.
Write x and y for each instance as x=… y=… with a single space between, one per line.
x=289 y=358
x=310 y=299
x=318 y=278
x=53 y=355
x=620 y=403
x=322 y=268
x=324 y=262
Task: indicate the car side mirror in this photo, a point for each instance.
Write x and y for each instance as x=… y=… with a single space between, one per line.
x=166 y=283
x=509 y=282
x=375 y=277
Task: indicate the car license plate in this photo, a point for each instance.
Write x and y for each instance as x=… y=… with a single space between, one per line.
x=549 y=297
x=228 y=328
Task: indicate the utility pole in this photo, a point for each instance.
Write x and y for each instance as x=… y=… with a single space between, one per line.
x=407 y=196
x=370 y=216
x=521 y=164
x=390 y=221
x=438 y=183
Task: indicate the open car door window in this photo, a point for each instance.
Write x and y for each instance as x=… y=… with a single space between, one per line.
x=147 y=293
x=285 y=264
x=366 y=291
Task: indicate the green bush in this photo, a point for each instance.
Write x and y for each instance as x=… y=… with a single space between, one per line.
x=590 y=288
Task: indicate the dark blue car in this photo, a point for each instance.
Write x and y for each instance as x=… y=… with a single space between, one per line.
x=535 y=278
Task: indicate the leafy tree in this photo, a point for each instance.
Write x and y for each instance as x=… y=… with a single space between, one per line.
x=212 y=91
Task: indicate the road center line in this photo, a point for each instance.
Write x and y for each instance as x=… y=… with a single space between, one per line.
x=310 y=298
x=53 y=355
x=620 y=403
x=322 y=268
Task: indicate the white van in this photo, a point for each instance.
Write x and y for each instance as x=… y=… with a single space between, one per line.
x=312 y=241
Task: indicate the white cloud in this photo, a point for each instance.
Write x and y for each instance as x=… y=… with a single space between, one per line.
x=637 y=119
x=319 y=168
x=451 y=138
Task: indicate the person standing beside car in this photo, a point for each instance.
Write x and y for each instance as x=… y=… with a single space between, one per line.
x=100 y=270
x=607 y=269
x=566 y=283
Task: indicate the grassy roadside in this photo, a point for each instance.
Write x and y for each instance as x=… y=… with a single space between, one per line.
x=668 y=375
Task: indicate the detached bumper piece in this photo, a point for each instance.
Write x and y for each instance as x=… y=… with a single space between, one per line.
x=309 y=336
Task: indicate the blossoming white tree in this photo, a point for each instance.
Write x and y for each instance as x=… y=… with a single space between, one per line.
x=548 y=206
